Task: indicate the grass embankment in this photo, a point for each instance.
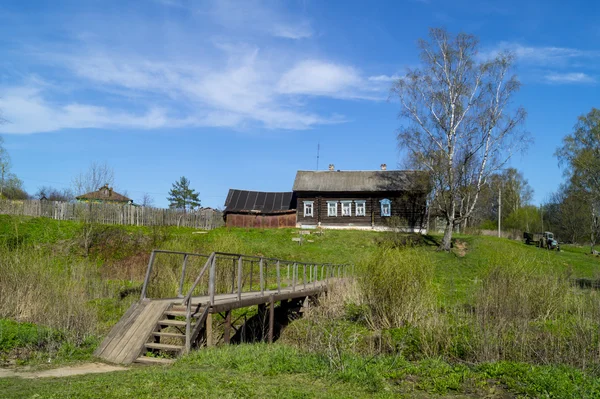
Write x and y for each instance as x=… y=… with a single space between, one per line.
x=493 y=318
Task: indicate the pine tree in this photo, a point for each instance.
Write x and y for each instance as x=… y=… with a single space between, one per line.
x=181 y=196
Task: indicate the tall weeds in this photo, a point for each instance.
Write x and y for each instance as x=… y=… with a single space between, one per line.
x=35 y=288
x=520 y=309
x=397 y=286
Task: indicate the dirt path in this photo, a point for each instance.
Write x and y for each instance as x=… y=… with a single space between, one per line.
x=86 y=368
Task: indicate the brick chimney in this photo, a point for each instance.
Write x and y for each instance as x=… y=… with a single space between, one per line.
x=383 y=166
x=331 y=167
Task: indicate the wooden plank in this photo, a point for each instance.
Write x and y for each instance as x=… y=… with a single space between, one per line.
x=118 y=327
x=133 y=342
x=120 y=330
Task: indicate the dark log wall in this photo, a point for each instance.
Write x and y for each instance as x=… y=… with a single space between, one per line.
x=407 y=209
x=261 y=221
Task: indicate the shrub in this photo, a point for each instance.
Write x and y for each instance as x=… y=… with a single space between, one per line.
x=398 y=288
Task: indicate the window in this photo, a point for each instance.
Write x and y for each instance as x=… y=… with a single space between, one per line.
x=386 y=207
x=346 y=208
x=332 y=208
x=308 y=208
x=360 y=208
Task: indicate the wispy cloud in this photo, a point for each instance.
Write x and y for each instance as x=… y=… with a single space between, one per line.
x=259 y=16
x=222 y=81
x=540 y=55
x=384 y=78
x=558 y=62
x=571 y=77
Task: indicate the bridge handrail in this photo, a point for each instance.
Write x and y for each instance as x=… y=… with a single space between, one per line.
x=327 y=270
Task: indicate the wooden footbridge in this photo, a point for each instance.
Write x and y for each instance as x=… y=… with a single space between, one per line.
x=158 y=327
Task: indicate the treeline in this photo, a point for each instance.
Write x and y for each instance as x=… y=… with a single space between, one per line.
x=571 y=213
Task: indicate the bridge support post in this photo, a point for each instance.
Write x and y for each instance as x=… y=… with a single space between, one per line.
x=271 y=318
x=227 y=332
x=209 y=330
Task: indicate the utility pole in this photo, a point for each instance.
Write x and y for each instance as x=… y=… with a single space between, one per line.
x=499 y=210
x=318 y=153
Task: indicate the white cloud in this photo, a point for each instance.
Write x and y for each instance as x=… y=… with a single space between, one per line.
x=315 y=77
x=255 y=15
x=384 y=78
x=217 y=82
x=541 y=55
x=570 y=77
x=28 y=112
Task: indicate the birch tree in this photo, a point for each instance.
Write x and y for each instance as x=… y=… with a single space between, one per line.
x=461 y=125
x=580 y=154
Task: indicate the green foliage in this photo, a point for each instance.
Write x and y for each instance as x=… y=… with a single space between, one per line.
x=398 y=286
x=14 y=335
x=30 y=343
x=181 y=196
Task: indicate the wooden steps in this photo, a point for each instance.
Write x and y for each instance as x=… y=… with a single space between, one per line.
x=168 y=335
x=144 y=328
x=126 y=340
x=164 y=347
x=173 y=323
x=153 y=360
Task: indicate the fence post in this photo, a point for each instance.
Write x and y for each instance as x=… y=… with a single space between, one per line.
x=294 y=275
x=239 y=277
x=304 y=278
x=148 y=270
x=278 y=277
x=211 y=279
x=262 y=276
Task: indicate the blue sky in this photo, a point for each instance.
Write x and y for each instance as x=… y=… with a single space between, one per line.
x=239 y=94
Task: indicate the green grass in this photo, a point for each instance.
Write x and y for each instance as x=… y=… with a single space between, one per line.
x=260 y=371
x=438 y=338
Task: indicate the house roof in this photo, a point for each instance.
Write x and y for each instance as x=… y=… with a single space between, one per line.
x=242 y=201
x=360 y=181
x=104 y=193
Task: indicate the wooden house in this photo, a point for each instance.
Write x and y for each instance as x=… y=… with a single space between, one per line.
x=361 y=199
x=105 y=194
x=260 y=209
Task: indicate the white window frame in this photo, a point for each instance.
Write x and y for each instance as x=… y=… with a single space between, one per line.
x=329 y=213
x=309 y=209
x=386 y=202
x=349 y=205
x=360 y=205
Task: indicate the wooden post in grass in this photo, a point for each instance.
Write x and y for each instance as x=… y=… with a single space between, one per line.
x=209 y=330
x=271 y=318
x=227 y=331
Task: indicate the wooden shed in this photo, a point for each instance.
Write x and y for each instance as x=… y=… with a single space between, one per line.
x=362 y=199
x=259 y=209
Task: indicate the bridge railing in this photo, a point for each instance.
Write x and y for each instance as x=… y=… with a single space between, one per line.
x=234 y=274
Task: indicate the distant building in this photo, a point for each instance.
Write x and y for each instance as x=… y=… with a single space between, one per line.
x=105 y=194
x=259 y=209
x=361 y=199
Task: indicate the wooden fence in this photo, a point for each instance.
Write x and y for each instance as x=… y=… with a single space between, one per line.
x=113 y=213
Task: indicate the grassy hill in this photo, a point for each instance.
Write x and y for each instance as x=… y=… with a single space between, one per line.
x=493 y=318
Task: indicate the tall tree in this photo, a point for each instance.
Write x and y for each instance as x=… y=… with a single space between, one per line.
x=11 y=186
x=461 y=123
x=181 y=196
x=96 y=176
x=580 y=154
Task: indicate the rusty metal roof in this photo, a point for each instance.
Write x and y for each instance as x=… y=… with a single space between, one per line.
x=260 y=202
x=360 y=181
x=104 y=193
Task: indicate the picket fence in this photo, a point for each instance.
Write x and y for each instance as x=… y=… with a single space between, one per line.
x=107 y=213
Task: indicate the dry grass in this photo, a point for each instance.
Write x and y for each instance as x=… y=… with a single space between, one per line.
x=35 y=289
x=520 y=310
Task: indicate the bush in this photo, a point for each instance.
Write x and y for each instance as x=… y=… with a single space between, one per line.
x=398 y=288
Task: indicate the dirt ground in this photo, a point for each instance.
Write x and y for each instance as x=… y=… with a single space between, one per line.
x=86 y=368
